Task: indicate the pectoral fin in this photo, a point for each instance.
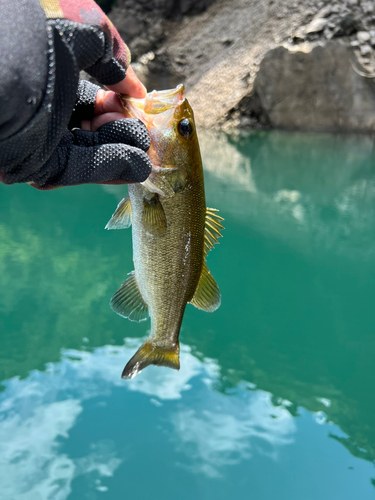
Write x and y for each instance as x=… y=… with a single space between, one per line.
x=122 y=218
x=207 y=296
x=153 y=215
x=152 y=354
x=212 y=229
x=159 y=185
x=128 y=301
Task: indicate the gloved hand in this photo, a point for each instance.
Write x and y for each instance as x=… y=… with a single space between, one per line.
x=115 y=153
x=40 y=105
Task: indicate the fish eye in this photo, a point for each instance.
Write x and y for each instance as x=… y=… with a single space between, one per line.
x=185 y=128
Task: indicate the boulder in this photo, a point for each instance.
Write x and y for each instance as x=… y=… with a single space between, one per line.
x=315 y=89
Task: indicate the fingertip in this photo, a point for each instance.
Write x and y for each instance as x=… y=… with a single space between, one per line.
x=140 y=166
x=130 y=85
x=100 y=120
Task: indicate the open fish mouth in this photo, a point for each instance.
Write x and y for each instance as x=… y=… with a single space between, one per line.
x=160 y=101
x=155 y=102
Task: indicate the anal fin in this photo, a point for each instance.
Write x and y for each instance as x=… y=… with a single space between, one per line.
x=122 y=217
x=128 y=301
x=153 y=354
x=207 y=296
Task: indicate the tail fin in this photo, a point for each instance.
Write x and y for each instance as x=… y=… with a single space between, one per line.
x=151 y=354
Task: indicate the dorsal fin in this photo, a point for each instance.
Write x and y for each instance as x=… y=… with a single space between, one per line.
x=207 y=295
x=128 y=301
x=212 y=229
x=122 y=217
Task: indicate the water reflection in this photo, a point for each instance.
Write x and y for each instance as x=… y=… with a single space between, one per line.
x=231 y=430
x=314 y=192
x=208 y=431
x=293 y=342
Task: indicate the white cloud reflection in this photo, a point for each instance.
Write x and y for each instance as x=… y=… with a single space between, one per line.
x=162 y=383
x=30 y=466
x=233 y=431
x=38 y=414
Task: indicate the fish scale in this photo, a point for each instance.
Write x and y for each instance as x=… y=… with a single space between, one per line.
x=172 y=273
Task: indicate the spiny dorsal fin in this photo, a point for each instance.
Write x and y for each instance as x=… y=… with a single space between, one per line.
x=153 y=215
x=207 y=295
x=212 y=229
x=128 y=301
x=122 y=218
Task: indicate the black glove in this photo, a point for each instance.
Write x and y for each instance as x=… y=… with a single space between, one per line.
x=116 y=151
x=84 y=108
x=40 y=60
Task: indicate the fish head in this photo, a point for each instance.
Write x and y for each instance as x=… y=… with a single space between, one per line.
x=174 y=150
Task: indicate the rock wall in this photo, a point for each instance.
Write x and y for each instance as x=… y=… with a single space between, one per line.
x=256 y=64
x=321 y=78
x=145 y=24
x=316 y=89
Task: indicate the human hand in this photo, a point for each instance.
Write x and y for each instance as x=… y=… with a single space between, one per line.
x=109 y=148
x=47 y=148
x=108 y=106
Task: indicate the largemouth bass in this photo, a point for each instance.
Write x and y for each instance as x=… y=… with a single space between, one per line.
x=172 y=231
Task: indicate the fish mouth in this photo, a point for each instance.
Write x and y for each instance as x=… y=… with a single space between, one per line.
x=169 y=95
x=157 y=101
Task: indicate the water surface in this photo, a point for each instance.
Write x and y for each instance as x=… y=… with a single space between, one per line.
x=275 y=396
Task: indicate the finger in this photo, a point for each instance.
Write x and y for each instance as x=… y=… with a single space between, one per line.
x=86 y=125
x=131 y=85
x=99 y=164
x=128 y=130
x=107 y=101
x=100 y=120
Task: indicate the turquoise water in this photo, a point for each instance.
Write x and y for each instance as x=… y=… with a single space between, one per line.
x=275 y=396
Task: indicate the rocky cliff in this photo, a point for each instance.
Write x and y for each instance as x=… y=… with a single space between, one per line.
x=276 y=63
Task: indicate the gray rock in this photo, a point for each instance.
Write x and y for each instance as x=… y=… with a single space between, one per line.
x=336 y=8
x=366 y=50
x=316 y=90
x=325 y=11
x=368 y=7
x=328 y=33
x=127 y=24
x=363 y=36
x=316 y=25
x=348 y=25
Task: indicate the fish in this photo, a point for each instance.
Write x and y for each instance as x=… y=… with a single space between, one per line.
x=172 y=231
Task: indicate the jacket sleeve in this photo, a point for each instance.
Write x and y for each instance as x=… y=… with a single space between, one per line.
x=44 y=45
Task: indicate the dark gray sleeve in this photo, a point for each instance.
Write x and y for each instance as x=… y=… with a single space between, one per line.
x=23 y=56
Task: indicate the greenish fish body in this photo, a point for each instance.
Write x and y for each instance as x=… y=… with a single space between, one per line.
x=172 y=231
